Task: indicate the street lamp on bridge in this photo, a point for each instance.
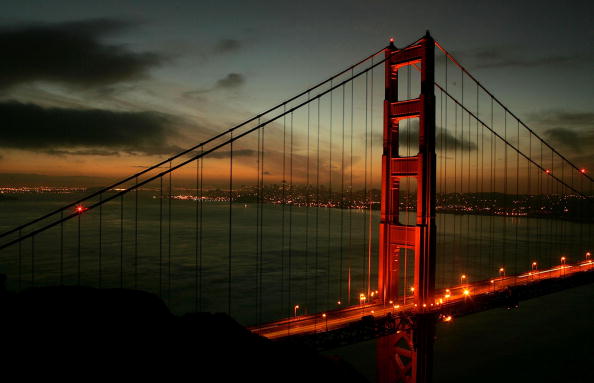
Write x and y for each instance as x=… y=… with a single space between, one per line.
x=462 y=278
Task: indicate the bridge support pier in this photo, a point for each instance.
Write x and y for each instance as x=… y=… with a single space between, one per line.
x=407 y=356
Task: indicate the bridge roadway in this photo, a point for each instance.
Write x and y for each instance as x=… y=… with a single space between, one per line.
x=445 y=298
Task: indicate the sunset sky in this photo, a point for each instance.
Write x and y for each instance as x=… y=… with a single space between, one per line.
x=100 y=88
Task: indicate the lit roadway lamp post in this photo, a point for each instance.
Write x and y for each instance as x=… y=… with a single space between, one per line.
x=295 y=310
x=563 y=266
x=501 y=274
x=588 y=255
x=462 y=279
x=412 y=291
x=534 y=268
x=362 y=298
x=362 y=301
x=326 y=320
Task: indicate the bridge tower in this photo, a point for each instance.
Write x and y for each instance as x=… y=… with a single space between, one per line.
x=407 y=355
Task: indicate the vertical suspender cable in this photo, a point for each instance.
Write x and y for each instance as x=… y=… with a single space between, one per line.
x=196 y=239
x=230 y=244
x=169 y=247
x=136 y=234
x=258 y=224
x=365 y=201
x=517 y=199
x=462 y=148
x=284 y=185
x=342 y=207
x=161 y=236
x=78 y=252
x=505 y=208
x=330 y=199
x=307 y=201
x=261 y=261
x=100 y=276
x=292 y=199
x=455 y=231
x=317 y=248
x=529 y=200
x=551 y=192
x=478 y=196
x=201 y=230
x=493 y=192
x=351 y=201
x=122 y=241
x=370 y=227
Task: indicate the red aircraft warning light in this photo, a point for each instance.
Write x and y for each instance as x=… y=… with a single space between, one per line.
x=583 y=170
x=548 y=171
x=80 y=209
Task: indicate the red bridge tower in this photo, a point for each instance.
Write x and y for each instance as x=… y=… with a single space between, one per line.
x=408 y=355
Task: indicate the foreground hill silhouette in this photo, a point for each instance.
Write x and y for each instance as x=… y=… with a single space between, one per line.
x=83 y=333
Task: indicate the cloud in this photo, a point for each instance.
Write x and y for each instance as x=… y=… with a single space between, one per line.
x=70 y=53
x=572 y=130
x=232 y=80
x=512 y=57
x=453 y=143
x=61 y=131
x=562 y=117
x=411 y=132
x=566 y=137
x=227 y=46
x=229 y=82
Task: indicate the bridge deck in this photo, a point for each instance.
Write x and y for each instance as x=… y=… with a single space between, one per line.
x=458 y=300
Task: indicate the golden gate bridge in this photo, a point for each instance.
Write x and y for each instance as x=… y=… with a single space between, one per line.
x=395 y=194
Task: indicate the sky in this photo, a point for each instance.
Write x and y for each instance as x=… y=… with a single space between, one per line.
x=98 y=89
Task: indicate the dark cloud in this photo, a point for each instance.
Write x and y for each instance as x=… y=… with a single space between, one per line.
x=60 y=131
x=514 y=57
x=231 y=81
x=410 y=134
x=70 y=53
x=566 y=137
x=227 y=46
x=511 y=57
x=572 y=130
x=452 y=142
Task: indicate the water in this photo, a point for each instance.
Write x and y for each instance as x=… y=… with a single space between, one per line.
x=306 y=255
